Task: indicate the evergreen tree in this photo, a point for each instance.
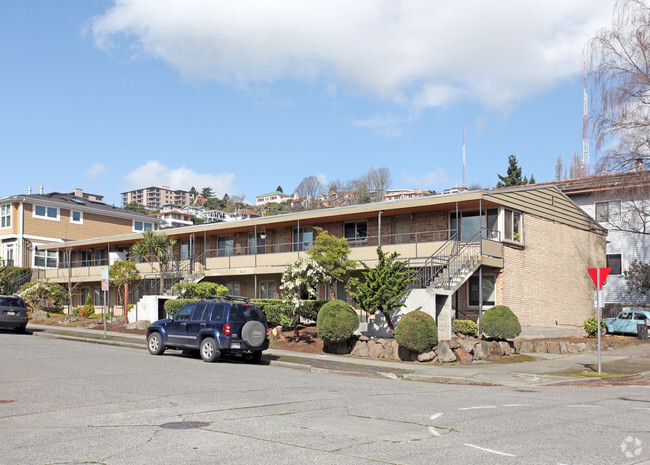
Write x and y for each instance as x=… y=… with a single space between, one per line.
x=194 y=192
x=331 y=253
x=532 y=179
x=136 y=207
x=513 y=176
x=279 y=189
x=383 y=287
x=207 y=193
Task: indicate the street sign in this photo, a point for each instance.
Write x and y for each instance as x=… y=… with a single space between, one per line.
x=598 y=276
x=104 y=278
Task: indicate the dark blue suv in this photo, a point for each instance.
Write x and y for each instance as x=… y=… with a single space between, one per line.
x=215 y=326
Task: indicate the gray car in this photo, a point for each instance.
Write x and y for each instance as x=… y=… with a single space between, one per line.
x=13 y=313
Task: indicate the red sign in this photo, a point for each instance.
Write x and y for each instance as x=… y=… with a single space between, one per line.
x=596 y=272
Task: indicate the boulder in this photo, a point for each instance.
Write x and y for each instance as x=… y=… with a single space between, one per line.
x=592 y=345
x=65 y=320
x=426 y=356
x=383 y=342
x=445 y=353
x=494 y=349
x=526 y=347
x=462 y=355
x=363 y=349
x=580 y=347
x=140 y=324
x=539 y=347
x=553 y=347
x=376 y=350
x=364 y=338
x=403 y=354
x=357 y=348
x=480 y=350
x=506 y=349
x=564 y=348
x=453 y=344
x=466 y=345
x=41 y=315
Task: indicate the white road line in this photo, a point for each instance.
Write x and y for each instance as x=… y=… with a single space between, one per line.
x=479 y=407
x=490 y=450
x=516 y=405
x=434 y=416
x=584 y=406
x=432 y=430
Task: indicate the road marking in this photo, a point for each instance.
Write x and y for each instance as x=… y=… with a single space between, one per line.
x=477 y=408
x=583 y=406
x=432 y=430
x=516 y=405
x=490 y=450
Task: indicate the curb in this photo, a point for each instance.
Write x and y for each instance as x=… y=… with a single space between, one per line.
x=448 y=380
x=134 y=345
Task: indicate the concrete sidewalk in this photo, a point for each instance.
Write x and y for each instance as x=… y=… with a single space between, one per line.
x=629 y=364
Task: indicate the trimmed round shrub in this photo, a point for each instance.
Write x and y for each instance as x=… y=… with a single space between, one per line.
x=336 y=322
x=500 y=323
x=417 y=332
x=466 y=327
x=174 y=305
x=591 y=324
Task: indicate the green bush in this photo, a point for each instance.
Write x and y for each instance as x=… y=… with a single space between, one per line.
x=591 y=324
x=466 y=327
x=336 y=321
x=279 y=314
x=200 y=290
x=88 y=308
x=500 y=323
x=174 y=305
x=40 y=296
x=310 y=309
x=417 y=332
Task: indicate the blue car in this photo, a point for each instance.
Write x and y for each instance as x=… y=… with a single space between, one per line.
x=222 y=325
x=626 y=322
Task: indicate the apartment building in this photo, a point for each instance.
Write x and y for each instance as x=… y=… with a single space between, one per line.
x=272 y=197
x=528 y=248
x=27 y=221
x=399 y=194
x=155 y=197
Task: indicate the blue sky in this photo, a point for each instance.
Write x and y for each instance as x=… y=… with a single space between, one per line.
x=245 y=96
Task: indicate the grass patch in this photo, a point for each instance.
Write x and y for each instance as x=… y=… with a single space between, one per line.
x=517 y=358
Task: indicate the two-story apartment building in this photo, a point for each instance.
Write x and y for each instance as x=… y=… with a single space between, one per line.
x=621 y=204
x=27 y=221
x=528 y=248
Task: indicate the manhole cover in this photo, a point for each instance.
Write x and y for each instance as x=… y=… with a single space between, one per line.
x=184 y=424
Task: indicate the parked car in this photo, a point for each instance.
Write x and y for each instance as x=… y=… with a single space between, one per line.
x=215 y=326
x=627 y=321
x=13 y=313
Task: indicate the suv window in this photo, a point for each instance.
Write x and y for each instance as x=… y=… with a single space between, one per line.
x=184 y=313
x=217 y=312
x=200 y=312
x=243 y=312
x=640 y=316
x=12 y=302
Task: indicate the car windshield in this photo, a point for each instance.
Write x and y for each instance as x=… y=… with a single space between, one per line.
x=245 y=312
x=11 y=302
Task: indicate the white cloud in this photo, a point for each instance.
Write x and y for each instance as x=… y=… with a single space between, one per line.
x=419 y=53
x=95 y=171
x=322 y=178
x=437 y=179
x=154 y=173
x=384 y=125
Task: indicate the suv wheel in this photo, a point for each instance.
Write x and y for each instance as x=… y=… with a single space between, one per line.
x=209 y=351
x=253 y=333
x=155 y=344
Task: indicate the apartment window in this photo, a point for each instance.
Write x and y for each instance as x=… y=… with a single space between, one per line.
x=234 y=288
x=86 y=257
x=256 y=247
x=471 y=222
x=267 y=290
x=5 y=215
x=489 y=290
x=303 y=239
x=46 y=213
x=357 y=231
x=512 y=226
x=140 y=226
x=98 y=299
x=608 y=211
x=225 y=246
x=100 y=257
x=76 y=217
x=614 y=262
x=45 y=259
x=84 y=295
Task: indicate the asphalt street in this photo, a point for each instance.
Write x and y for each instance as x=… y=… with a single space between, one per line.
x=64 y=402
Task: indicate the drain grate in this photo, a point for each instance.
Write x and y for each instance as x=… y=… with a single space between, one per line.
x=184 y=425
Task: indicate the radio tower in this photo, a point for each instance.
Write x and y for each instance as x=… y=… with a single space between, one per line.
x=464 y=134
x=585 y=133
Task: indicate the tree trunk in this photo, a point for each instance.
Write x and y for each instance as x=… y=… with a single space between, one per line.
x=333 y=290
x=389 y=322
x=125 y=301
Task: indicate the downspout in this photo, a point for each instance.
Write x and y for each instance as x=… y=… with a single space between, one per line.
x=298 y=237
x=379 y=226
x=21 y=235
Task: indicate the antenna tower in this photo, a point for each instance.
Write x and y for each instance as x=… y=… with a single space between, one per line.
x=464 y=135
x=585 y=132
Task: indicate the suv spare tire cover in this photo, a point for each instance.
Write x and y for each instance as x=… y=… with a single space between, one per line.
x=253 y=333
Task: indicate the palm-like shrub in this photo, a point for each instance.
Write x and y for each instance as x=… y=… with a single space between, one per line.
x=337 y=322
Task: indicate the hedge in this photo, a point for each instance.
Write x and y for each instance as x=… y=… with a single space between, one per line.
x=174 y=305
x=417 y=332
x=466 y=327
x=500 y=323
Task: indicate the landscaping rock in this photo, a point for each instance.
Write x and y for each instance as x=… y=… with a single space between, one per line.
x=494 y=349
x=118 y=320
x=539 y=347
x=363 y=349
x=40 y=315
x=526 y=347
x=426 y=356
x=66 y=319
x=480 y=350
x=517 y=344
x=140 y=324
x=580 y=347
x=376 y=350
x=364 y=338
x=357 y=347
x=553 y=347
x=462 y=355
x=453 y=344
x=445 y=353
x=466 y=345
x=564 y=347
x=505 y=348
x=383 y=342
x=592 y=346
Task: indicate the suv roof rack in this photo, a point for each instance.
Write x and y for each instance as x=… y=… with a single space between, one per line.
x=229 y=297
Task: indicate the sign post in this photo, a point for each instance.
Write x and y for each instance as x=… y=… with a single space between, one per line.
x=598 y=276
x=104 y=289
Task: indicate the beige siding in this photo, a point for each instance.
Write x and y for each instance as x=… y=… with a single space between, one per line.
x=546 y=283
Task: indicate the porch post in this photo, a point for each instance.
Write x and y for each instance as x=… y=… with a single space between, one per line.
x=480 y=297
